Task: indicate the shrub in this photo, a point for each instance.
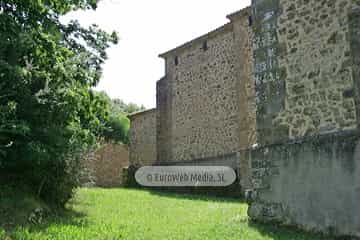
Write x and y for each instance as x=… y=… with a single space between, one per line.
x=49 y=113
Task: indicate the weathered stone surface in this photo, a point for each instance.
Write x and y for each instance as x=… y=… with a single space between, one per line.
x=244 y=63
x=206 y=102
x=269 y=78
x=314 y=185
x=164 y=120
x=319 y=70
x=266 y=212
x=143 y=138
x=354 y=23
x=104 y=166
x=311 y=183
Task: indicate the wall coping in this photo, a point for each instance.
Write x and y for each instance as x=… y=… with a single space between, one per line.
x=148 y=111
x=220 y=30
x=176 y=51
x=312 y=138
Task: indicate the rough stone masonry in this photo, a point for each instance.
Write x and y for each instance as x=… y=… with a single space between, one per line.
x=206 y=101
x=305 y=171
x=274 y=93
x=205 y=110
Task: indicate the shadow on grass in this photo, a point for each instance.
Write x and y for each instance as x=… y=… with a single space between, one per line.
x=278 y=232
x=230 y=193
x=194 y=195
x=70 y=217
x=60 y=218
x=267 y=230
x=19 y=209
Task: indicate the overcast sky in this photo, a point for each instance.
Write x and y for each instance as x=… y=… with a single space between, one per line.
x=146 y=29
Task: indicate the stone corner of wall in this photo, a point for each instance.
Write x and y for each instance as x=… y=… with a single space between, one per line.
x=332 y=154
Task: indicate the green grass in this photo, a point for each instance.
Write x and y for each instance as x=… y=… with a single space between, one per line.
x=135 y=214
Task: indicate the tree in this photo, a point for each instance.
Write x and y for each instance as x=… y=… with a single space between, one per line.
x=48 y=112
x=120 y=106
x=117 y=125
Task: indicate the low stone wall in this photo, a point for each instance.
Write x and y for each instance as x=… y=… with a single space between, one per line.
x=104 y=167
x=311 y=183
x=143 y=138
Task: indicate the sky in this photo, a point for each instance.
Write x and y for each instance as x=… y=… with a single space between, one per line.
x=146 y=29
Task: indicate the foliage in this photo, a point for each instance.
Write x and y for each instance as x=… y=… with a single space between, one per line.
x=134 y=214
x=48 y=112
x=120 y=106
x=117 y=128
x=118 y=124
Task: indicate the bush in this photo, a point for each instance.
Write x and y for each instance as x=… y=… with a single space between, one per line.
x=117 y=128
x=49 y=113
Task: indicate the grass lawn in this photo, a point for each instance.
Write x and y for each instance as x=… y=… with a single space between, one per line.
x=134 y=214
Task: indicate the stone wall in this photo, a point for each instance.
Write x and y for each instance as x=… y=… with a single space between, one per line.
x=163 y=120
x=206 y=103
x=244 y=65
x=142 y=136
x=244 y=62
x=307 y=74
x=104 y=166
x=354 y=23
x=304 y=79
x=312 y=184
x=284 y=74
x=269 y=82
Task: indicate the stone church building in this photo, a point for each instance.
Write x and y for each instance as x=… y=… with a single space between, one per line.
x=275 y=94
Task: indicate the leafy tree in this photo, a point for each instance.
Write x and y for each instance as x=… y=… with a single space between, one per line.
x=48 y=112
x=117 y=128
x=120 y=106
x=117 y=125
